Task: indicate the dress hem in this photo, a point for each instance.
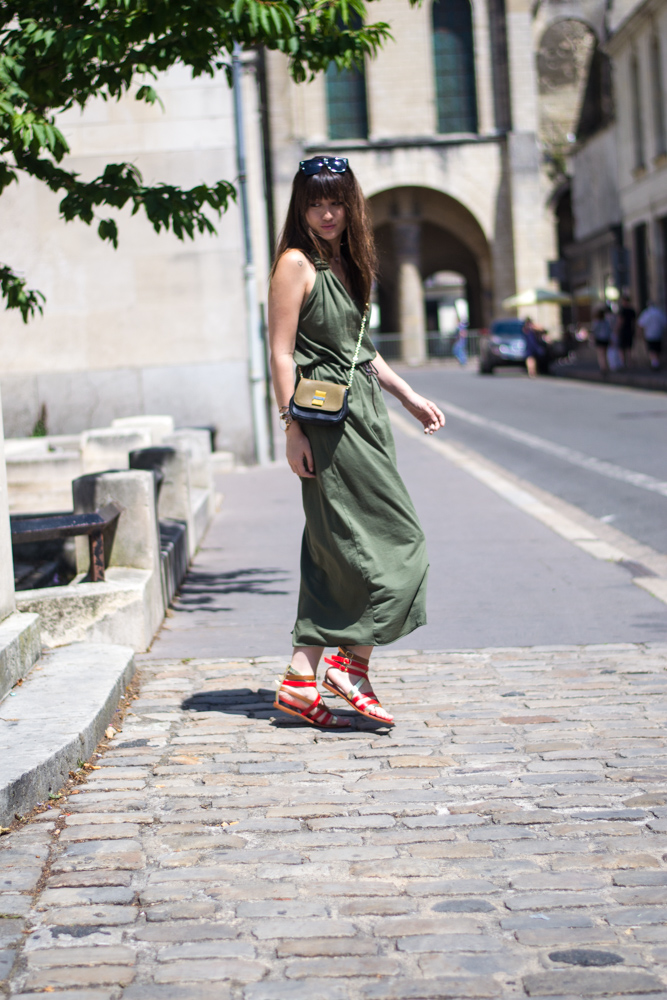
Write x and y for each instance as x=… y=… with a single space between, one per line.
x=335 y=639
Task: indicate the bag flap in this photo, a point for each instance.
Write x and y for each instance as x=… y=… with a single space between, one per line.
x=313 y=395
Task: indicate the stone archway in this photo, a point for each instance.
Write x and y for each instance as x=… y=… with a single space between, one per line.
x=420 y=231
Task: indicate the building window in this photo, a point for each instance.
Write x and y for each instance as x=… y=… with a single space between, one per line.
x=454 y=66
x=499 y=67
x=637 y=124
x=641 y=265
x=658 y=97
x=347 y=109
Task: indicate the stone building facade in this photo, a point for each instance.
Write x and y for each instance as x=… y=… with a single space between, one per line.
x=442 y=131
x=159 y=325
x=638 y=51
x=619 y=165
x=445 y=131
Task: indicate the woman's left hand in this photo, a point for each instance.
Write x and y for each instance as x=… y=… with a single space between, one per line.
x=426 y=412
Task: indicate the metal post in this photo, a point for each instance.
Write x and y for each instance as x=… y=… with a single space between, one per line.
x=253 y=321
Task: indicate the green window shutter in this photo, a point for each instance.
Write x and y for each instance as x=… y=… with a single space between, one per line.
x=454 y=58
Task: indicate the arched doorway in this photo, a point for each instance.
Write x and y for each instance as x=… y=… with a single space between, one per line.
x=422 y=235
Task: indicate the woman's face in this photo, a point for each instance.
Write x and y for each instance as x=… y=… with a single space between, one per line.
x=327 y=218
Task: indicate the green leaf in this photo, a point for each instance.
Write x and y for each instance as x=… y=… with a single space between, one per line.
x=17 y=296
x=108 y=230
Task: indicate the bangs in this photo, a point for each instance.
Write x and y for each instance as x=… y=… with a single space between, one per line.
x=333 y=187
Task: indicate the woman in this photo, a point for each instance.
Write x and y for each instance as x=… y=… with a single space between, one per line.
x=363 y=558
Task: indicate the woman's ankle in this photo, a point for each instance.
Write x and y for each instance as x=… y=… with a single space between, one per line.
x=305 y=674
x=362 y=654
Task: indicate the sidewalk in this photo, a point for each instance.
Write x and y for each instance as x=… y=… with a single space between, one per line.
x=506 y=839
x=637 y=376
x=497 y=576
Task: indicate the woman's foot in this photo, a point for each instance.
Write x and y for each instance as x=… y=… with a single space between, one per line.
x=298 y=695
x=347 y=677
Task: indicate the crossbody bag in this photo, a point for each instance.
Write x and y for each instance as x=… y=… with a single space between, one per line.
x=324 y=403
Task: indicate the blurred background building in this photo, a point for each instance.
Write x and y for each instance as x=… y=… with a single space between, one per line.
x=504 y=145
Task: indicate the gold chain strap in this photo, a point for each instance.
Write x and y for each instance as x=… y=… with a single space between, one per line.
x=358 y=348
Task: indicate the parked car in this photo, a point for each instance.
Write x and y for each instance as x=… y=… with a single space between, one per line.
x=505 y=344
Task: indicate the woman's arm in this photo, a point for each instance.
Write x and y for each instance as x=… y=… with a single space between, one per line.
x=291 y=284
x=426 y=412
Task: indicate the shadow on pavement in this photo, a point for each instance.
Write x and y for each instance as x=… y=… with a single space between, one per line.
x=201 y=588
x=258 y=704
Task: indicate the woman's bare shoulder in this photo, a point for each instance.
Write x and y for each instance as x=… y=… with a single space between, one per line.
x=292 y=261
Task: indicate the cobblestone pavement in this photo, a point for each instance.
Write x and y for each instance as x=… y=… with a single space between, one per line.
x=507 y=838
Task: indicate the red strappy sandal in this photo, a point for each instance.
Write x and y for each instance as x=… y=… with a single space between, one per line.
x=315 y=712
x=365 y=704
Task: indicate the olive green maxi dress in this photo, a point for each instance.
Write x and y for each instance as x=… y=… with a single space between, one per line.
x=363 y=557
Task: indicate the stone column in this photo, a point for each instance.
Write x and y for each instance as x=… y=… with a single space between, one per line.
x=533 y=227
x=7 y=602
x=411 y=313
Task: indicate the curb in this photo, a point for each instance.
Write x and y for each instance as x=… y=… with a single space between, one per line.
x=635 y=380
x=56 y=717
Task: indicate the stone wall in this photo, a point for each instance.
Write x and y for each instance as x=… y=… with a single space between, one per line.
x=159 y=324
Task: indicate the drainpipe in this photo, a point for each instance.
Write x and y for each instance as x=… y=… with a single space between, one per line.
x=253 y=318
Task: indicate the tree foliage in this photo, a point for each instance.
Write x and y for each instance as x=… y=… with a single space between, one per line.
x=60 y=54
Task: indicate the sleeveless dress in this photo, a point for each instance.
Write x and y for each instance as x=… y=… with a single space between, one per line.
x=363 y=556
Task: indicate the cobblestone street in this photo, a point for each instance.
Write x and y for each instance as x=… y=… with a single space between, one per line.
x=507 y=838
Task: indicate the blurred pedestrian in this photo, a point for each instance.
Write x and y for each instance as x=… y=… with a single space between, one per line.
x=459 y=350
x=601 y=330
x=653 y=323
x=536 y=349
x=625 y=329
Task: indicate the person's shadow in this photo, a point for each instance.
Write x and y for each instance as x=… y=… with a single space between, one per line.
x=258 y=704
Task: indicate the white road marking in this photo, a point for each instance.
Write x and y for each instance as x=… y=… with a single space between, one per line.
x=559 y=523
x=571 y=455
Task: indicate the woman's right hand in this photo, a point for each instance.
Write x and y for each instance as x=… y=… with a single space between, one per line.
x=299 y=452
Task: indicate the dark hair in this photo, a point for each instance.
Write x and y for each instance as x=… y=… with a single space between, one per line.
x=357 y=244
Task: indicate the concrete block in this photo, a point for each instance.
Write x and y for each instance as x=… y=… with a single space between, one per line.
x=20 y=648
x=45 y=468
x=158 y=426
x=41 y=481
x=174 y=497
x=136 y=541
x=109 y=447
x=120 y=610
x=197 y=445
x=222 y=461
x=57 y=717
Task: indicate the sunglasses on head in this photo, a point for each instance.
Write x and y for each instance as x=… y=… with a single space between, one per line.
x=336 y=164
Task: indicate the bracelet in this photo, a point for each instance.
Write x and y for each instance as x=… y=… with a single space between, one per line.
x=286 y=417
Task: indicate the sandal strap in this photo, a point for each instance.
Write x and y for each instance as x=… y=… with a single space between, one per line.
x=364 y=700
x=348 y=665
x=359 y=698
x=316 y=710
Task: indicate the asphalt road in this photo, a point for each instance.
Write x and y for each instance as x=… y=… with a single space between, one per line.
x=558 y=433
x=498 y=577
